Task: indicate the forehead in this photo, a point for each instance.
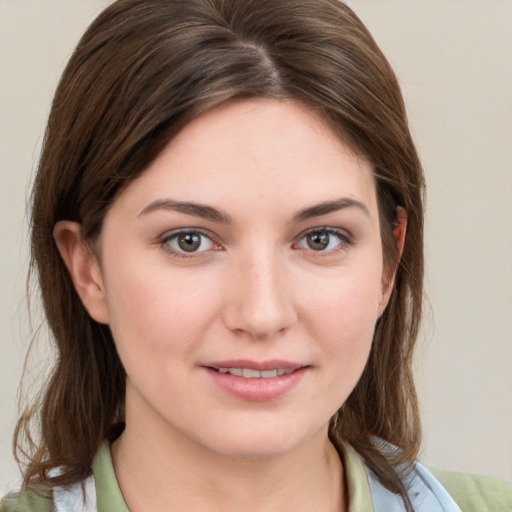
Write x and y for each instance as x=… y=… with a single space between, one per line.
x=278 y=154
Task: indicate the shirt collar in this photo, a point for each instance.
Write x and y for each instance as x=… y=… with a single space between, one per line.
x=109 y=496
x=108 y=493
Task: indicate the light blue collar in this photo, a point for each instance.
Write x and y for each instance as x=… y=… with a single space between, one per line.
x=425 y=492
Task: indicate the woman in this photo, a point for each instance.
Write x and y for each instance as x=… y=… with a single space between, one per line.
x=227 y=232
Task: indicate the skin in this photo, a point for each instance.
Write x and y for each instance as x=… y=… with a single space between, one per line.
x=255 y=289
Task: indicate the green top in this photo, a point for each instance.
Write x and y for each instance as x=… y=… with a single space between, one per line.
x=472 y=493
x=476 y=493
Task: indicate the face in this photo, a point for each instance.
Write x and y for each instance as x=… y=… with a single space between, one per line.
x=242 y=277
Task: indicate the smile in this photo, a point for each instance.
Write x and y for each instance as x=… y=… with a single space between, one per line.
x=256 y=381
x=256 y=385
x=250 y=373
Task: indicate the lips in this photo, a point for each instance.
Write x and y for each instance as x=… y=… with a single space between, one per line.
x=249 y=373
x=256 y=381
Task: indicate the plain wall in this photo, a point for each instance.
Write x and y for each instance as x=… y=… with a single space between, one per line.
x=454 y=61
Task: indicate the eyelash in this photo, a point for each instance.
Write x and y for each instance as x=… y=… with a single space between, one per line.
x=344 y=241
x=165 y=242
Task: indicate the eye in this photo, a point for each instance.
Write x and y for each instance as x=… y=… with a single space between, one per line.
x=189 y=242
x=324 y=240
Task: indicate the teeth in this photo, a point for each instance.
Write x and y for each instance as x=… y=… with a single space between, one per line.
x=249 y=373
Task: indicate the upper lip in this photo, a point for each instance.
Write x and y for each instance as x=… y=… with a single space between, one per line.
x=271 y=364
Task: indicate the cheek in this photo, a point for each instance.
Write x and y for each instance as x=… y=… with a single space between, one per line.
x=348 y=326
x=348 y=300
x=342 y=318
x=156 y=314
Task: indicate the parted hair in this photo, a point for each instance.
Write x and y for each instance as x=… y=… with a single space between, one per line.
x=140 y=73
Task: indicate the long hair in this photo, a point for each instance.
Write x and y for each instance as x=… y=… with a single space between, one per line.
x=141 y=72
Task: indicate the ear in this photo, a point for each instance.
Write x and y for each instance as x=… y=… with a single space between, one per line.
x=388 y=282
x=399 y=230
x=83 y=267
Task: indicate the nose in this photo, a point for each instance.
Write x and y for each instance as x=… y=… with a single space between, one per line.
x=260 y=303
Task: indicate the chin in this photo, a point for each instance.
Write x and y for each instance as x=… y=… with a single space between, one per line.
x=263 y=442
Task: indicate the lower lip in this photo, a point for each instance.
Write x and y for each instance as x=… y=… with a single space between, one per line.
x=257 y=390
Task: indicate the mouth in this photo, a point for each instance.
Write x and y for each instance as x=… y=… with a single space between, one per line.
x=250 y=373
x=257 y=381
x=247 y=369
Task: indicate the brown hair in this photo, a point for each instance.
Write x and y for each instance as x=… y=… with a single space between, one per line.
x=142 y=71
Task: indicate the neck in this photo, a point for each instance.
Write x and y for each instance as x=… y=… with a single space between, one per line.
x=166 y=467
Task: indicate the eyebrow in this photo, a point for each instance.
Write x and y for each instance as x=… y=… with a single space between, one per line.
x=189 y=208
x=329 y=207
x=213 y=214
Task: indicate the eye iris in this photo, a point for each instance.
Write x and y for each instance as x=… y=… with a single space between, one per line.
x=318 y=241
x=189 y=242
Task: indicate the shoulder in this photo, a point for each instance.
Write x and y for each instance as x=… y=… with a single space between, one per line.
x=476 y=493
x=29 y=499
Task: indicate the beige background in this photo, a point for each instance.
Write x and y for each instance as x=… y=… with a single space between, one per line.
x=454 y=59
